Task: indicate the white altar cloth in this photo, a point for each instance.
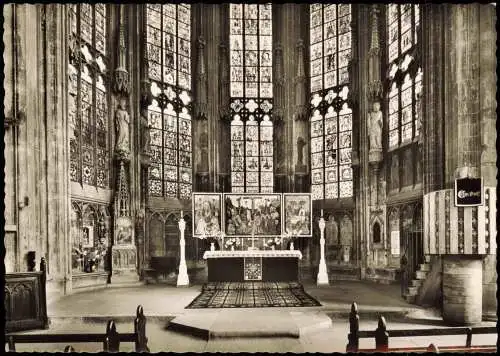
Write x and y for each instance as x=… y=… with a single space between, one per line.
x=255 y=253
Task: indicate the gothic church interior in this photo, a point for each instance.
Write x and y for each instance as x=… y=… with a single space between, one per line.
x=122 y=120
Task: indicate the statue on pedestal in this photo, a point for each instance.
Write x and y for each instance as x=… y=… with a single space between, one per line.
x=122 y=122
x=300 y=167
x=145 y=134
x=375 y=127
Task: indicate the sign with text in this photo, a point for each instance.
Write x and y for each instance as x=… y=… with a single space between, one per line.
x=395 y=243
x=468 y=191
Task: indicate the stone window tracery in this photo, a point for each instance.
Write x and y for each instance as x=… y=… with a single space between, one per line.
x=251 y=92
x=88 y=95
x=168 y=43
x=331 y=118
x=404 y=74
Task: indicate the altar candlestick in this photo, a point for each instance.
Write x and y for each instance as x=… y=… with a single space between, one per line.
x=323 y=272
x=182 y=278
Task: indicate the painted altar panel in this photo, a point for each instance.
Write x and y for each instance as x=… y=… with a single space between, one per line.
x=298 y=214
x=252 y=214
x=207 y=215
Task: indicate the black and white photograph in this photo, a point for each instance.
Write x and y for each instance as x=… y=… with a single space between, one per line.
x=250 y=177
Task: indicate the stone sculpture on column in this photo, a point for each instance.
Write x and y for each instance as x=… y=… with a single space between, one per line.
x=375 y=132
x=122 y=122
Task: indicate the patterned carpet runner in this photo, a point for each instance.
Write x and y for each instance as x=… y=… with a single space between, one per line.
x=253 y=295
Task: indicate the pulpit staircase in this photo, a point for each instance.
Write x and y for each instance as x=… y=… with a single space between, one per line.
x=415 y=284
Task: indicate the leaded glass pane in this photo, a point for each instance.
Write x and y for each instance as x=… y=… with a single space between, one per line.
x=331 y=175
x=317 y=192
x=317 y=144
x=171 y=189
x=393 y=138
x=345 y=189
x=406 y=133
x=317 y=160
x=331 y=191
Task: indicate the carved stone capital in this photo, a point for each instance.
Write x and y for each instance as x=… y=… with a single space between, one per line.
x=121 y=82
x=375 y=156
x=375 y=91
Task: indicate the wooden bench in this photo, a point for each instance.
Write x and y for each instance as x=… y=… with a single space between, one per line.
x=381 y=335
x=26 y=300
x=161 y=265
x=111 y=339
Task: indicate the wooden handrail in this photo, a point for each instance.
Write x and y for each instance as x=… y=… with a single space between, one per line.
x=111 y=339
x=432 y=332
x=382 y=335
x=483 y=348
x=62 y=338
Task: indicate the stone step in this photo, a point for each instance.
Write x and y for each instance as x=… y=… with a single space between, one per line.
x=416 y=282
x=425 y=267
x=412 y=291
x=421 y=275
x=427 y=258
x=410 y=298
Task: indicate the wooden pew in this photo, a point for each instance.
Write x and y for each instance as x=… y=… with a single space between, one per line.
x=111 y=339
x=26 y=300
x=381 y=335
x=160 y=265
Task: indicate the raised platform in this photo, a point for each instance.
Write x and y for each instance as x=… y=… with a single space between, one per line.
x=250 y=323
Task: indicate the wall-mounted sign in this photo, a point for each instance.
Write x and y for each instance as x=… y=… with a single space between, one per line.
x=469 y=191
x=395 y=243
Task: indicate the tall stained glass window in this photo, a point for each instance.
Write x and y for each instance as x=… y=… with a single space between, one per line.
x=169 y=68
x=88 y=95
x=404 y=74
x=331 y=119
x=251 y=98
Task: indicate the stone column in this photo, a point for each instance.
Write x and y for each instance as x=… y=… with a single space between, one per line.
x=200 y=138
x=487 y=107
x=57 y=160
x=289 y=26
x=124 y=251
x=459 y=234
x=300 y=124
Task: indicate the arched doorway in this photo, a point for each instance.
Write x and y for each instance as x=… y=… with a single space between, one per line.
x=412 y=238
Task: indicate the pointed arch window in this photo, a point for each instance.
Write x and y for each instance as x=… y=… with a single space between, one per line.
x=168 y=46
x=88 y=95
x=251 y=98
x=404 y=75
x=331 y=119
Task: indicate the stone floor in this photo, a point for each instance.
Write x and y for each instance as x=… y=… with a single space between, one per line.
x=89 y=311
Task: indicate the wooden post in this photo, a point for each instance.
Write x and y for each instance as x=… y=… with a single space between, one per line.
x=141 y=343
x=112 y=340
x=353 y=338
x=12 y=344
x=432 y=348
x=43 y=294
x=381 y=335
x=468 y=343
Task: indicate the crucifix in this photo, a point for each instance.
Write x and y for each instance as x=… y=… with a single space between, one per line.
x=253 y=235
